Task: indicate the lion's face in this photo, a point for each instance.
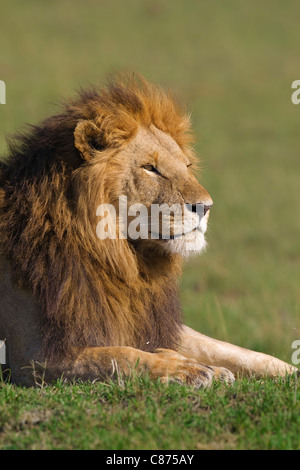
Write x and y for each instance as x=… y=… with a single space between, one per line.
x=154 y=172
x=138 y=142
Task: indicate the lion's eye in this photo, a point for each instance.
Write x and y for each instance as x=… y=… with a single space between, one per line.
x=189 y=164
x=151 y=168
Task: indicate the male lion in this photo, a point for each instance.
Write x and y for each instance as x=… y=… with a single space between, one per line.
x=85 y=307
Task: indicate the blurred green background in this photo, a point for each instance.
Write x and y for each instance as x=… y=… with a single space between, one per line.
x=232 y=64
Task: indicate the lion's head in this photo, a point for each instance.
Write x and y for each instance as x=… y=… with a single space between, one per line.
x=127 y=140
x=139 y=137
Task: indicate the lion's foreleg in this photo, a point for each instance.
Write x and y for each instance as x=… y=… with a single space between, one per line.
x=119 y=362
x=106 y=362
x=239 y=360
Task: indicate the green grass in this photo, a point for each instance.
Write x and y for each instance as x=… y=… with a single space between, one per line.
x=142 y=414
x=232 y=63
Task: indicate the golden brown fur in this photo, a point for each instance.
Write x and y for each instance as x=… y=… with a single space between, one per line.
x=90 y=302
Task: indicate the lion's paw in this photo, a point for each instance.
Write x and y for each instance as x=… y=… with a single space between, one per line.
x=173 y=367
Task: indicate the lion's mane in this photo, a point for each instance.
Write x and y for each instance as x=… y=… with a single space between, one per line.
x=92 y=292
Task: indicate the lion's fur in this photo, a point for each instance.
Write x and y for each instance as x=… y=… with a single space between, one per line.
x=91 y=292
x=82 y=304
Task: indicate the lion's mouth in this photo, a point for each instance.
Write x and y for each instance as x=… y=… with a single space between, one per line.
x=201 y=227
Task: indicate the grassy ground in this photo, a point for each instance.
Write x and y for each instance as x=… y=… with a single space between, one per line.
x=145 y=415
x=232 y=63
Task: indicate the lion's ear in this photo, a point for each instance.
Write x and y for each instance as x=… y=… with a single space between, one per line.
x=87 y=138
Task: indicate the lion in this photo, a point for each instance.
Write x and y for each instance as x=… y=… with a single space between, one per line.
x=78 y=306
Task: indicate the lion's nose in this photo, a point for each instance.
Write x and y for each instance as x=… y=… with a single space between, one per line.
x=206 y=207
